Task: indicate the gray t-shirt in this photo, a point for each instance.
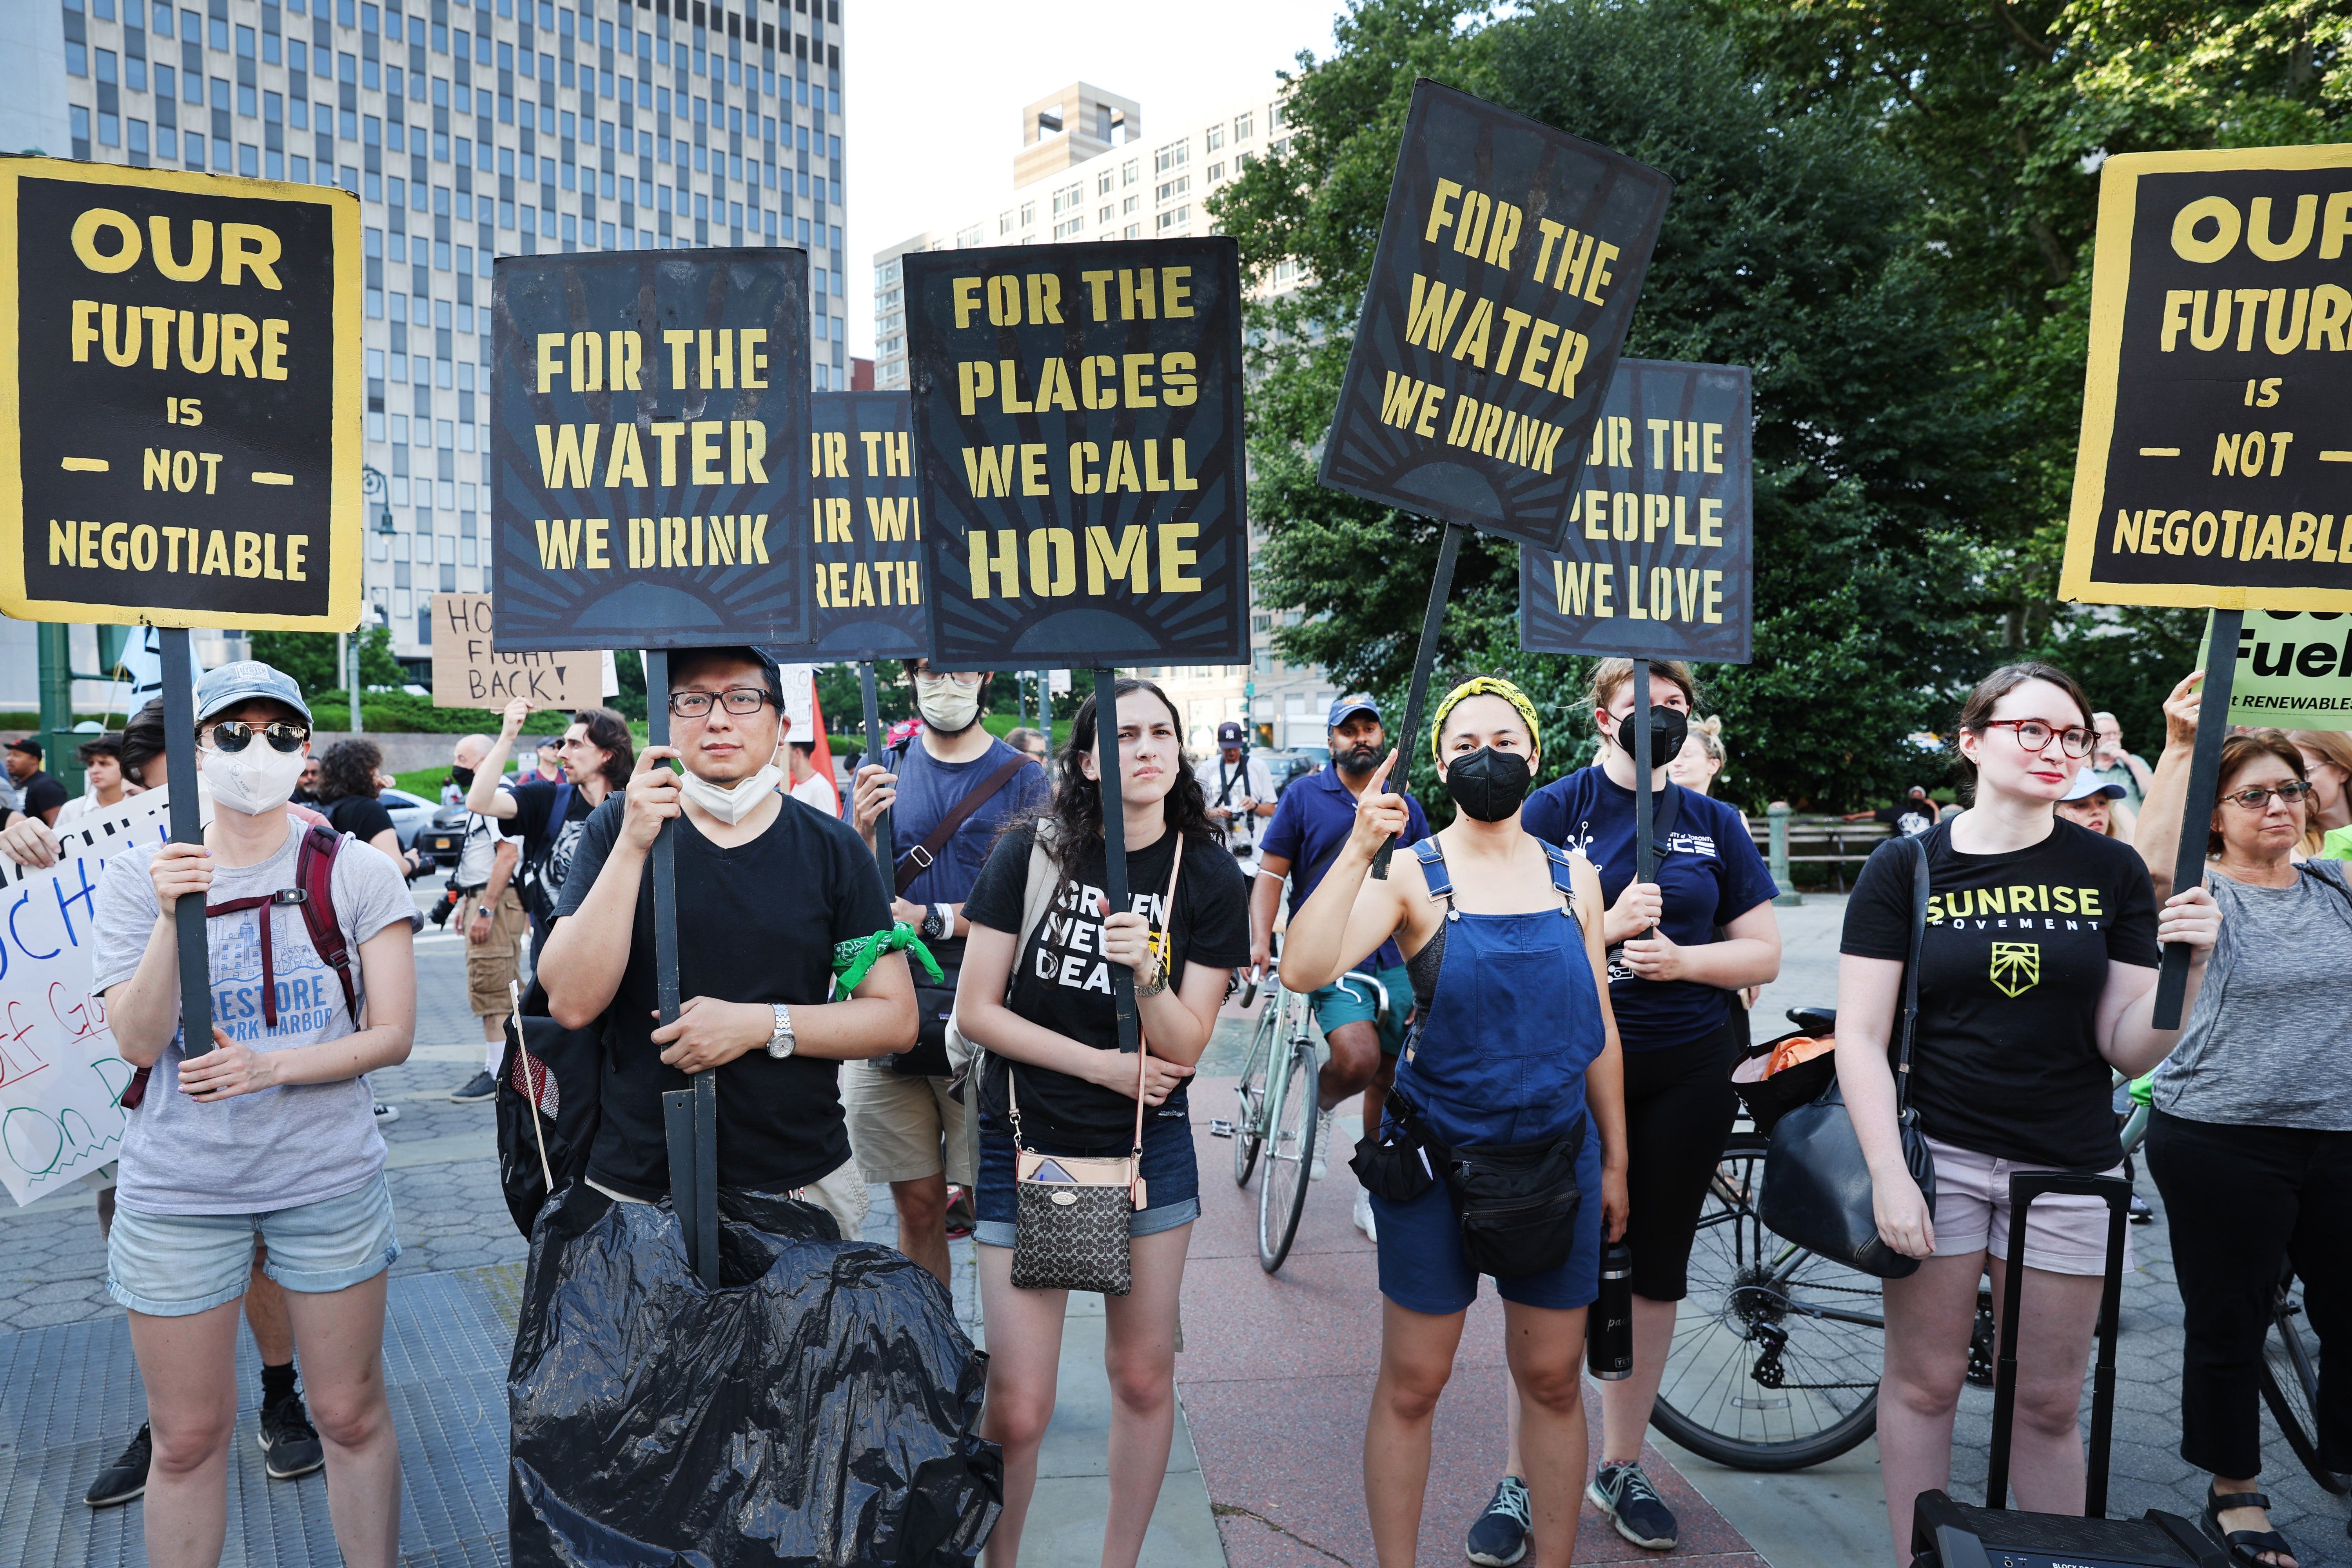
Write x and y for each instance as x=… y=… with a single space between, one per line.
x=277 y=1148
x=2270 y=1040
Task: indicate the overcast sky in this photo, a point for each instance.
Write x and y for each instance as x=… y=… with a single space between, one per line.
x=934 y=93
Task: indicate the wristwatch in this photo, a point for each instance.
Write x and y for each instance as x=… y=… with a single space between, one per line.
x=938 y=920
x=782 y=1043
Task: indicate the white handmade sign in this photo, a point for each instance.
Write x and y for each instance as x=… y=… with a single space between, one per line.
x=61 y=1079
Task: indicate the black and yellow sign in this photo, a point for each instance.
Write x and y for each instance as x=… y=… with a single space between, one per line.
x=1657 y=562
x=1078 y=440
x=179 y=398
x=2215 y=466
x=866 y=530
x=652 y=449
x=1508 y=264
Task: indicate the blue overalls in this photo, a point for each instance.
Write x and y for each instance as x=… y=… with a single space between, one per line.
x=1498 y=1057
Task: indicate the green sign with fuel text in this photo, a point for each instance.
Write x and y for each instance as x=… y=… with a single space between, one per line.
x=2294 y=669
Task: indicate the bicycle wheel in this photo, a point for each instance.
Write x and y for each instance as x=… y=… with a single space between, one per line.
x=2291 y=1388
x=1250 y=1092
x=1290 y=1146
x=1777 y=1351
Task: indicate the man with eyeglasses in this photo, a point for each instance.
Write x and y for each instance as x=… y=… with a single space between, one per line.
x=549 y=817
x=949 y=789
x=769 y=891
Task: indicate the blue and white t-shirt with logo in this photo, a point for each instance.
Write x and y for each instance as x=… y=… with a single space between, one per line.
x=1711 y=875
x=277 y=1148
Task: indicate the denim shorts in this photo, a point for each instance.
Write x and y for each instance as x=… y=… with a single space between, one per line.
x=176 y=1265
x=1171 y=1178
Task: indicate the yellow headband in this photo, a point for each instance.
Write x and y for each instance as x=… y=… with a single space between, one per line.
x=1486 y=686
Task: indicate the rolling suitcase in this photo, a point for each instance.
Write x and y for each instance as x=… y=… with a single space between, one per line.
x=1948 y=1534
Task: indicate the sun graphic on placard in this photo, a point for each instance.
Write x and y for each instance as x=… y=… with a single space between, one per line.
x=2016 y=966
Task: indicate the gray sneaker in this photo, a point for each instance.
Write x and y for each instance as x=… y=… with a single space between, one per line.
x=1633 y=1506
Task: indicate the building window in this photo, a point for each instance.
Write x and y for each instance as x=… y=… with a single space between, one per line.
x=1175 y=217
x=1072 y=228
x=1213 y=138
x=1242 y=127
x=1175 y=155
x=80 y=131
x=1169 y=190
x=1028 y=214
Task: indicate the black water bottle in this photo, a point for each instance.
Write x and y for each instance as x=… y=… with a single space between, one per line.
x=1609 y=1324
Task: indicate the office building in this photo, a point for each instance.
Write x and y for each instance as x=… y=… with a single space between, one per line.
x=512 y=127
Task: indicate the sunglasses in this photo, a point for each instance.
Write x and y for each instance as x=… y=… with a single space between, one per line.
x=234 y=735
x=2258 y=799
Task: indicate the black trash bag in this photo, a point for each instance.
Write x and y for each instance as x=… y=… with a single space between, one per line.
x=821 y=1408
x=550 y=1075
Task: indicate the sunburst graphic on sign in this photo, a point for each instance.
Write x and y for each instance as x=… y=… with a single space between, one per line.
x=2016 y=966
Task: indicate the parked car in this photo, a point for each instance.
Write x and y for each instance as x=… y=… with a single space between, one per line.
x=441 y=839
x=411 y=816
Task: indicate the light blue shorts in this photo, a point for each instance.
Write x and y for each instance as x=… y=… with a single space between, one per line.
x=176 y=1265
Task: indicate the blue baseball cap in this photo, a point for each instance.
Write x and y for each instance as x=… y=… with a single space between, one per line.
x=244 y=681
x=1354 y=702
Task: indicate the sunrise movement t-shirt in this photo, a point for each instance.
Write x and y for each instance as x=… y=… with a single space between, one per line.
x=2014 y=958
x=1063 y=981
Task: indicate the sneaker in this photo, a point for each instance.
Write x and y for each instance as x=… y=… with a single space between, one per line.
x=1498 y=1537
x=960 y=1217
x=289 y=1440
x=2140 y=1213
x=1321 y=1164
x=1633 y=1506
x=1363 y=1215
x=126 y=1477
x=385 y=1115
x=479 y=1086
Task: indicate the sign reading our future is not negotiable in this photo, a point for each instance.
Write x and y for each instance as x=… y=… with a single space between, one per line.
x=179 y=398
x=2215 y=466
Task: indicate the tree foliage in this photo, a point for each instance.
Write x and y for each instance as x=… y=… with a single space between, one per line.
x=310 y=659
x=1884 y=209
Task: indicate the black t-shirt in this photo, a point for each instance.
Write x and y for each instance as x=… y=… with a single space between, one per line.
x=43 y=794
x=2015 y=957
x=554 y=846
x=756 y=922
x=361 y=815
x=1909 y=819
x=1063 y=981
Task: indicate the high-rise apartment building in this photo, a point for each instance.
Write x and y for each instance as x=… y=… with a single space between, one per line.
x=513 y=127
x=1086 y=171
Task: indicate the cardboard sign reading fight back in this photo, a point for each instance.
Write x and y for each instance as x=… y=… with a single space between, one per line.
x=2215 y=465
x=1078 y=441
x=651 y=448
x=866 y=529
x=179 y=398
x=1510 y=259
x=1657 y=562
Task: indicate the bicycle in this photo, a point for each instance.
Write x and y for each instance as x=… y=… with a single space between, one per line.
x=1278 y=1110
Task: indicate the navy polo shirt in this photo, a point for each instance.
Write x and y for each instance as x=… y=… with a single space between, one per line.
x=1311 y=823
x=1712 y=875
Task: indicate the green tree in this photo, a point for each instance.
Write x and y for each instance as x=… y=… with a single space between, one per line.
x=310 y=659
x=1785 y=248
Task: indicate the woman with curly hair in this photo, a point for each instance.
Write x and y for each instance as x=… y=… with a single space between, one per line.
x=1037 y=995
x=351 y=777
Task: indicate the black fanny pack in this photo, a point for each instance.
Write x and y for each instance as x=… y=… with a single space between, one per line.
x=934 y=1004
x=1516 y=1202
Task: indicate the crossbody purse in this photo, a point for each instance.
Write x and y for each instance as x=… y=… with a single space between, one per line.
x=1817 y=1186
x=1071 y=1212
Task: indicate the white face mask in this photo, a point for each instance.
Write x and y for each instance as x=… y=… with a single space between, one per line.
x=948 y=707
x=730 y=805
x=257 y=779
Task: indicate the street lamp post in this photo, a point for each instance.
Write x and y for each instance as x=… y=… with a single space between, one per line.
x=349 y=654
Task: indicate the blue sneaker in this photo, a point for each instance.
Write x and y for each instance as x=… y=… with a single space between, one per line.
x=1633 y=1506
x=1498 y=1537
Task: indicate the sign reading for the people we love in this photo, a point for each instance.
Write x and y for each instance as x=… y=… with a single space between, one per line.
x=61 y=1078
x=468 y=673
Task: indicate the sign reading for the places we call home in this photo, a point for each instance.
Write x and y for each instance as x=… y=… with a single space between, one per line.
x=179 y=398
x=2215 y=466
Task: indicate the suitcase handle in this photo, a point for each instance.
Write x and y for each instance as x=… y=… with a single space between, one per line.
x=2023 y=1188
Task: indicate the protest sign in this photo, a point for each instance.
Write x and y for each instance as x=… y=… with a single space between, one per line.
x=468 y=672
x=2215 y=466
x=59 y=1074
x=658 y=402
x=866 y=529
x=180 y=391
x=1508 y=264
x=2293 y=669
x=1077 y=416
x=1657 y=562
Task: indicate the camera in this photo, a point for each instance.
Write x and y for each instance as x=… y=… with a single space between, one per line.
x=445 y=906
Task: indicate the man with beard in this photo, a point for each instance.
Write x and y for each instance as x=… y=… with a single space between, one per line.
x=1310 y=826
x=953 y=787
x=599 y=758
